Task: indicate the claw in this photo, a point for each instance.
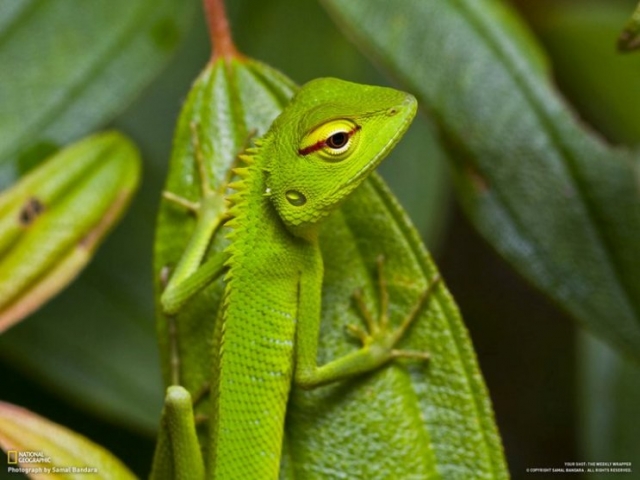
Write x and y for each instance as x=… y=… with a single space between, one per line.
x=419 y=306
x=384 y=293
x=357 y=332
x=165 y=273
x=358 y=298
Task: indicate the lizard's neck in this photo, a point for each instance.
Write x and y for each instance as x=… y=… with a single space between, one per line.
x=253 y=204
x=256 y=226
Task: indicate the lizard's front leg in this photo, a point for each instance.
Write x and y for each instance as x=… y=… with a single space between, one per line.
x=379 y=340
x=191 y=275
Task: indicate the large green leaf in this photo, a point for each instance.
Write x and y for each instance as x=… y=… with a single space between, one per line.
x=552 y=198
x=67 y=68
x=409 y=420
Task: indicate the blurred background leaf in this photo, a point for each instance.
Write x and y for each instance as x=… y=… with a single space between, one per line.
x=601 y=83
x=68 y=67
x=603 y=86
x=610 y=395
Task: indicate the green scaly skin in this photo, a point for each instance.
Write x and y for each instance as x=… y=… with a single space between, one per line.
x=299 y=172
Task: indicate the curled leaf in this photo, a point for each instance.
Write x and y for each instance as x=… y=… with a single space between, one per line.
x=44 y=450
x=53 y=219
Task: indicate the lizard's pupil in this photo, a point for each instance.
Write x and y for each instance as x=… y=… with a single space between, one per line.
x=338 y=140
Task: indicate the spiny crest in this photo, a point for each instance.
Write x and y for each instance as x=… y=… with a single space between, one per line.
x=241 y=186
x=242 y=172
x=241 y=189
x=247 y=156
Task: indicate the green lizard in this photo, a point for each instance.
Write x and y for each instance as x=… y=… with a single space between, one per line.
x=322 y=146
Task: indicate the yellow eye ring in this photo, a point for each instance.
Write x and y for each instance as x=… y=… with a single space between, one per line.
x=333 y=140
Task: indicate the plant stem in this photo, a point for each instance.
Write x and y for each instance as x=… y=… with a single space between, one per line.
x=219 y=31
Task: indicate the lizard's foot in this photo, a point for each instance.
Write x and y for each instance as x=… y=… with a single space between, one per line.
x=210 y=198
x=379 y=335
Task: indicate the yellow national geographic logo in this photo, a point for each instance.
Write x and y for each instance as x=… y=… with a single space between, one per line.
x=33 y=463
x=15 y=457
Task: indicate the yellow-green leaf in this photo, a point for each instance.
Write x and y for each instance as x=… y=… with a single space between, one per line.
x=53 y=219
x=44 y=450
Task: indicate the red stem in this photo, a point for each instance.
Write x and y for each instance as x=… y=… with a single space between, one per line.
x=219 y=31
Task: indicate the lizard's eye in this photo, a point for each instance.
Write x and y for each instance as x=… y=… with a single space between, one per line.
x=332 y=140
x=338 y=140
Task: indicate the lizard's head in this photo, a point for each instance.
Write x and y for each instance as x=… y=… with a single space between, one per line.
x=325 y=143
